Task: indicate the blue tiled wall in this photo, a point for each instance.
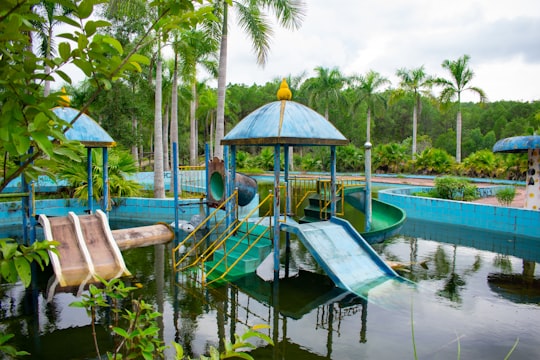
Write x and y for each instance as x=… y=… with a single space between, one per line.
x=495 y=218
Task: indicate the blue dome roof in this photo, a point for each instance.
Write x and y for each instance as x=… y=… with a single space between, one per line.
x=517 y=144
x=85 y=129
x=284 y=123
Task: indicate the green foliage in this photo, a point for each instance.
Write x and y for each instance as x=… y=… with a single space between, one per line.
x=15 y=265
x=16 y=260
x=390 y=157
x=483 y=163
x=506 y=195
x=26 y=119
x=349 y=158
x=454 y=188
x=434 y=161
x=121 y=166
x=9 y=350
x=139 y=338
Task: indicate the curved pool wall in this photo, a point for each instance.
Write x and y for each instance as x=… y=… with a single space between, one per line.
x=511 y=220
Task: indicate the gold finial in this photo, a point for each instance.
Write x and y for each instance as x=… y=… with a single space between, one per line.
x=284 y=93
x=64 y=98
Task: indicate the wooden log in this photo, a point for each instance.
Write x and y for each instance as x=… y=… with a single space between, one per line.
x=143 y=236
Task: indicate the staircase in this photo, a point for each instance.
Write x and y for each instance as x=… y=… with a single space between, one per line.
x=241 y=253
x=318 y=208
x=227 y=251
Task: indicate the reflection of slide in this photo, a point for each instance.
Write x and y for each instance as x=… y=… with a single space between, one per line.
x=343 y=254
x=87 y=248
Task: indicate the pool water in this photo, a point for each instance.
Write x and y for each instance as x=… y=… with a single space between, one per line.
x=476 y=302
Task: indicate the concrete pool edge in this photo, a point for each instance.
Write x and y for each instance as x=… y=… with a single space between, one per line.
x=511 y=220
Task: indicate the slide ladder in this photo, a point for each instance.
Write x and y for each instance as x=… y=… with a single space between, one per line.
x=86 y=250
x=345 y=256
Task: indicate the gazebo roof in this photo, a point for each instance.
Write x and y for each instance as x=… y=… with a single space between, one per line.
x=284 y=122
x=517 y=144
x=85 y=129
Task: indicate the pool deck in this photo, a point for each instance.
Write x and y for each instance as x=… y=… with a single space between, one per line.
x=518 y=201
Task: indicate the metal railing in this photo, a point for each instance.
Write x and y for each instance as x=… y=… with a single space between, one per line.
x=305 y=186
x=216 y=238
x=251 y=243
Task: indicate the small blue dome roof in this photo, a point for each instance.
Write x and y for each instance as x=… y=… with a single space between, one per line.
x=284 y=123
x=85 y=129
x=517 y=144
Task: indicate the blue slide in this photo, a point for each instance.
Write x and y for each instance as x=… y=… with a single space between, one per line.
x=344 y=255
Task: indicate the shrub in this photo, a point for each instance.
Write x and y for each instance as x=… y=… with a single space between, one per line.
x=506 y=195
x=454 y=188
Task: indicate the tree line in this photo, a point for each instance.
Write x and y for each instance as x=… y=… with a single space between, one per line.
x=146 y=100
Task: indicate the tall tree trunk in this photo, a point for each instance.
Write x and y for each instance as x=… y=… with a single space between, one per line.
x=159 y=186
x=458 y=136
x=194 y=129
x=368 y=125
x=165 y=125
x=414 y=126
x=174 y=114
x=222 y=84
x=134 y=150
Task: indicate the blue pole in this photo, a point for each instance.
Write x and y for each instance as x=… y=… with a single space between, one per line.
x=287 y=208
x=233 y=172
x=276 y=211
x=175 y=184
x=90 y=185
x=207 y=175
x=25 y=211
x=106 y=180
x=367 y=205
x=333 y=181
x=228 y=191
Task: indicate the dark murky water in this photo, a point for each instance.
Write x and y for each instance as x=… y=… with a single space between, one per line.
x=477 y=301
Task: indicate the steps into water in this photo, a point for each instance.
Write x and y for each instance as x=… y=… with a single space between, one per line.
x=237 y=250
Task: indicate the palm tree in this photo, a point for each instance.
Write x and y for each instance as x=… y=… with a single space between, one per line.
x=254 y=22
x=461 y=76
x=368 y=86
x=49 y=10
x=414 y=82
x=196 y=48
x=325 y=89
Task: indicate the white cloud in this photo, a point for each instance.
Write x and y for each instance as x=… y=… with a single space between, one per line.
x=502 y=38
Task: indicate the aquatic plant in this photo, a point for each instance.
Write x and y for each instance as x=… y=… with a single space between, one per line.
x=140 y=338
x=16 y=264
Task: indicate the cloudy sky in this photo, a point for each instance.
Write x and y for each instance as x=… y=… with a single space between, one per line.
x=502 y=38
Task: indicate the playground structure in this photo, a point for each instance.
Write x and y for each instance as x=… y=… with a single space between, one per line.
x=240 y=246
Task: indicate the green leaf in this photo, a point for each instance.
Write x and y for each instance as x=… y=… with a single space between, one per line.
x=64 y=76
x=119 y=331
x=64 y=49
x=85 y=66
x=114 y=43
x=43 y=142
x=24 y=270
x=8 y=271
x=179 y=350
x=86 y=8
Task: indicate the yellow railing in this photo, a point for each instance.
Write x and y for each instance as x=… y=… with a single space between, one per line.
x=193 y=251
x=203 y=249
x=223 y=242
x=304 y=186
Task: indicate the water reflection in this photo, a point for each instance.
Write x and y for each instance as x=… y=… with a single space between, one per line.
x=485 y=298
